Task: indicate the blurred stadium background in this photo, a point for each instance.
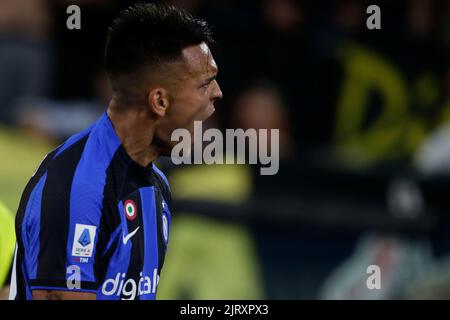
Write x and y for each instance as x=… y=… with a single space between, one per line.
x=364 y=117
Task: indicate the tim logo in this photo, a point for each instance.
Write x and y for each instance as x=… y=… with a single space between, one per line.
x=81 y=260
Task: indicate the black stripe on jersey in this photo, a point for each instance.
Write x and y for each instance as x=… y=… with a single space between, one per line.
x=159 y=232
x=161 y=192
x=136 y=264
x=110 y=219
x=163 y=187
x=61 y=284
x=20 y=215
x=55 y=212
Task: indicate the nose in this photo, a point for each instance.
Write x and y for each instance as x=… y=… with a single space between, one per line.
x=216 y=93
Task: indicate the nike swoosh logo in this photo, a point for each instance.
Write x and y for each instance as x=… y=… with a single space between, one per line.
x=128 y=236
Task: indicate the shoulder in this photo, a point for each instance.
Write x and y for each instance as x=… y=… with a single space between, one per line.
x=163 y=184
x=161 y=176
x=76 y=172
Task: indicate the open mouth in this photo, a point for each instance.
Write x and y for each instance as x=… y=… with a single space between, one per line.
x=210 y=111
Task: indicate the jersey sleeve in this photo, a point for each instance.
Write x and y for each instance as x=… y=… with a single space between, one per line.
x=64 y=239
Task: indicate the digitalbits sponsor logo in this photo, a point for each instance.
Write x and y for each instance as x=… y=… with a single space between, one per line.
x=128 y=288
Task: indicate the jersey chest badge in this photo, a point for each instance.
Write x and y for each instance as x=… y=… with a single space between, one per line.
x=130 y=209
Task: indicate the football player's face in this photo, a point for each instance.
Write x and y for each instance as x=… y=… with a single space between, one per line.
x=196 y=91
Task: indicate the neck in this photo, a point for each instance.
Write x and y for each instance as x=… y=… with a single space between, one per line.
x=135 y=128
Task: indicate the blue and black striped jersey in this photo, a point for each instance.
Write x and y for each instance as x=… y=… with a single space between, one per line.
x=92 y=220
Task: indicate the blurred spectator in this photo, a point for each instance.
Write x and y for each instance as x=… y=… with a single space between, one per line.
x=262 y=106
x=48 y=118
x=79 y=53
x=385 y=85
x=284 y=41
x=400 y=262
x=25 y=52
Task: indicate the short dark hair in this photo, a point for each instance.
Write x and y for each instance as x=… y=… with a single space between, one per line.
x=147 y=34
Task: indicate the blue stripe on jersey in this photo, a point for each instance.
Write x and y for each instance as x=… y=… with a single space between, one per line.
x=108 y=129
x=162 y=175
x=111 y=288
x=31 y=224
x=31 y=243
x=150 y=239
x=97 y=154
x=73 y=139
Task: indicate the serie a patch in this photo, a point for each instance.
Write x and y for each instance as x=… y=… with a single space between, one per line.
x=83 y=240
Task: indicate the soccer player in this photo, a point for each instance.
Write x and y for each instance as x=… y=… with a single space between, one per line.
x=94 y=220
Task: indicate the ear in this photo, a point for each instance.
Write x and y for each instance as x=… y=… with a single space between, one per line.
x=158 y=101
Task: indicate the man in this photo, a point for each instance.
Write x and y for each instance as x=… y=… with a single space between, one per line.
x=7 y=241
x=93 y=222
